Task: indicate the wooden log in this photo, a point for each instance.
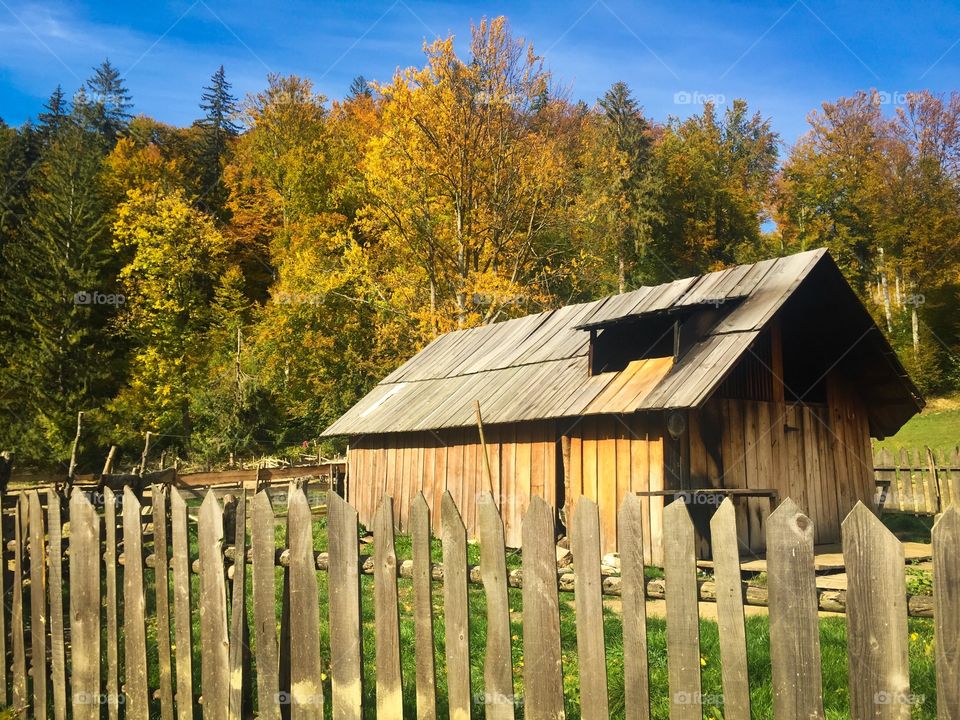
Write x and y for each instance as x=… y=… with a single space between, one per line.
x=498 y=663
x=161 y=587
x=346 y=644
x=794 y=624
x=878 y=660
x=423 y=608
x=542 y=669
x=108 y=463
x=214 y=642
x=21 y=701
x=73 y=465
x=181 y=605
x=306 y=689
x=110 y=571
x=585 y=543
x=263 y=540
x=239 y=654
x=946 y=598
x=455 y=611
x=683 y=622
x=84 y=608
x=387 y=615
x=733 y=639
x=39 y=672
x=136 y=695
x=635 y=671
x=58 y=660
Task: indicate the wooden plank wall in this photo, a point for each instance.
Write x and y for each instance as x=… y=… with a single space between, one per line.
x=523 y=463
x=818 y=454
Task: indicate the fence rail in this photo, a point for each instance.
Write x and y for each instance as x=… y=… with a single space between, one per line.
x=66 y=618
x=917 y=481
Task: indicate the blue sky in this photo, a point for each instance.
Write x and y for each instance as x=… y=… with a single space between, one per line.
x=785 y=57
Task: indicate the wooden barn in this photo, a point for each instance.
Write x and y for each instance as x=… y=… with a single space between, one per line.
x=759 y=378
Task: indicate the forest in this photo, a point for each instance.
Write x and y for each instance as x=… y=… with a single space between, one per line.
x=235 y=285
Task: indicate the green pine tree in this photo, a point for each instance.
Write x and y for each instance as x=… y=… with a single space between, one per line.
x=218 y=127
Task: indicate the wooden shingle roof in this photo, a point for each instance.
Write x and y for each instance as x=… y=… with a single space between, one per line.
x=537 y=367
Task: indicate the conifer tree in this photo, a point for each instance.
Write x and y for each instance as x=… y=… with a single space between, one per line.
x=218 y=127
x=108 y=102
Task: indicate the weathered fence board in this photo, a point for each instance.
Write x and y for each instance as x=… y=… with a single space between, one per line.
x=423 y=609
x=136 y=695
x=498 y=661
x=58 y=660
x=794 y=625
x=585 y=543
x=946 y=599
x=214 y=642
x=542 y=669
x=112 y=615
x=346 y=649
x=239 y=632
x=683 y=622
x=161 y=587
x=19 y=669
x=4 y=625
x=181 y=605
x=387 y=612
x=456 y=617
x=306 y=689
x=84 y=608
x=733 y=639
x=630 y=530
x=263 y=540
x=40 y=676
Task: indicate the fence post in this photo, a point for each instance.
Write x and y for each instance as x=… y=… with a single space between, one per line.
x=683 y=620
x=794 y=623
x=423 y=608
x=38 y=607
x=585 y=543
x=161 y=586
x=346 y=643
x=214 y=643
x=633 y=594
x=112 y=636
x=456 y=617
x=58 y=661
x=239 y=631
x=264 y=543
x=134 y=611
x=946 y=615
x=387 y=615
x=182 y=631
x=21 y=701
x=84 y=608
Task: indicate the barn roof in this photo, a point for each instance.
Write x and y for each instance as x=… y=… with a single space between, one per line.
x=537 y=367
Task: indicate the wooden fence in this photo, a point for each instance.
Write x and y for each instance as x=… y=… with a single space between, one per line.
x=921 y=482
x=77 y=631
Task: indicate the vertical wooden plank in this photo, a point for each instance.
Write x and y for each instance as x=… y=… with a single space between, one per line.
x=136 y=702
x=640 y=477
x=946 y=613
x=306 y=689
x=508 y=473
x=585 y=543
x=630 y=533
x=112 y=636
x=423 y=608
x=910 y=490
x=884 y=460
x=440 y=477
x=456 y=617
x=542 y=669
x=162 y=592
x=58 y=660
x=607 y=482
x=590 y=481
x=239 y=632
x=521 y=489
x=21 y=700
x=181 y=605
x=877 y=644
x=751 y=470
x=683 y=625
x=387 y=612
x=84 y=608
x=264 y=544
x=733 y=640
x=498 y=664
x=4 y=627
x=346 y=656
x=214 y=642
x=794 y=625
x=655 y=448
x=38 y=607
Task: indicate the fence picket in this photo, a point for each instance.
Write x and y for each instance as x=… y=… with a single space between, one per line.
x=498 y=661
x=182 y=634
x=585 y=544
x=21 y=700
x=877 y=643
x=161 y=586
x=635 y=670
x=456 y=617
x=239 y=632
x=306 y=688
x=4 y=625
x=346 y=645
x=58 y=661
x=794 y=624
x=38 y=607
x=387 y=615
x=84 y=608
x=946 y=615
x=423 y=608
x=264 y=542
x=733 y=639
x=542 y=669
x=112 y=636
x=214 y=643
x=136 y=702
x=683 y=623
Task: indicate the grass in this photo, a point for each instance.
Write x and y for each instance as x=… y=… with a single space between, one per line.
x=938 y=426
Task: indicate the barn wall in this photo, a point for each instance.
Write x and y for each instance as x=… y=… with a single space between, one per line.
x=523 y=463
x=817 y=454
x=611 y=455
